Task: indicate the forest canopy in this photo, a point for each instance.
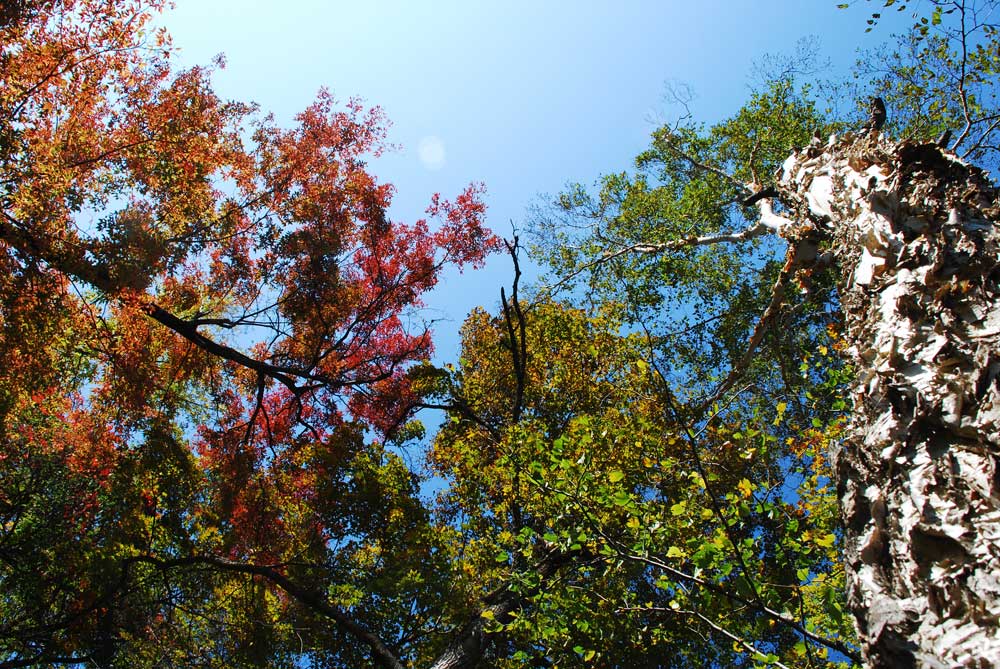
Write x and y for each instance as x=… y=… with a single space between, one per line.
x=217 y=371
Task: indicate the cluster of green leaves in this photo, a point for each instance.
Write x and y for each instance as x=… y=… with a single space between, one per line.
x=678 y=549
x=697 y=302
x=941 y=75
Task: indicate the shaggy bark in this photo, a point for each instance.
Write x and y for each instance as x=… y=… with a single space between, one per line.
x=913 y=230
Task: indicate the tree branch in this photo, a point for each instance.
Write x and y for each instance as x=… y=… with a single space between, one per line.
x=381 y=652
x=776 y=616
x=962 y=93
x=765 y=225
x=41 y=659
x=468 y=647
x=690 y=612
x=68 y=256
x=710 y=168
x=759 y=330
x=518 y=342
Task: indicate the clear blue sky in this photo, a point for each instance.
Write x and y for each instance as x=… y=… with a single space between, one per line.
x=522 y=96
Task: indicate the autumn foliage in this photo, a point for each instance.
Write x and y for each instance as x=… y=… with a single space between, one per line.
x=202 y=314
x=212 y=350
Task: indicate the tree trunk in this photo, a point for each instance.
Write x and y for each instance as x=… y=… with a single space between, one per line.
x=913 y=231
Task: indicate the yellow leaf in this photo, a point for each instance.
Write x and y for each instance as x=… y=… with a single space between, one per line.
x=781 y=407
x=826 y=541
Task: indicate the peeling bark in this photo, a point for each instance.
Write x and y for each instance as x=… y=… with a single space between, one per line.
x=914 y=232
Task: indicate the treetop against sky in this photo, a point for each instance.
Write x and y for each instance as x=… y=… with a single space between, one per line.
x=780 y=349
x=523 y=97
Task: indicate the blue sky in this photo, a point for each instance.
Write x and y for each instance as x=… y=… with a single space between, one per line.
x=522 y=96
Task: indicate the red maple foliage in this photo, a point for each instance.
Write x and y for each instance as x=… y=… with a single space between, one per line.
x=199 y=310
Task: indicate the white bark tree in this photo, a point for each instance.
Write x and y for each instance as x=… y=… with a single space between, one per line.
x=914 y=233
x=912 y=230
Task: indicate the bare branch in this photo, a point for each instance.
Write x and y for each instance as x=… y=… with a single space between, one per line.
x=770 y=220
x=42 y=660
x=980 y=143
x=518 y=341
x=742 y=642
x=695 y=614
x=759 y=229
x=776 y=616
x=962 y=93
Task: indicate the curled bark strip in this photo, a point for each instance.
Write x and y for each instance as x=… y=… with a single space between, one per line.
x=914 y=231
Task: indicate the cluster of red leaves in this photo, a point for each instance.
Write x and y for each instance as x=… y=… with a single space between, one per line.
x=221 y=273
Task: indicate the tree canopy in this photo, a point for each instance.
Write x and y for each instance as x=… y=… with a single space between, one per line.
x=214 y=357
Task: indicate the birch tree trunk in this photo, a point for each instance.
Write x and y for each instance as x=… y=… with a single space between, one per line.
x=913 y=231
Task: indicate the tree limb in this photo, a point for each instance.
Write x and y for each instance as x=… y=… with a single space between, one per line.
x=467 y=648
x=710 y=168
x=41 y=659
x=381 y=652
x=518 y=340
x=68 y=256
x=767 y=224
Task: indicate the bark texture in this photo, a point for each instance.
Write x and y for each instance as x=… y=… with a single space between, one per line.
x=913 y=230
